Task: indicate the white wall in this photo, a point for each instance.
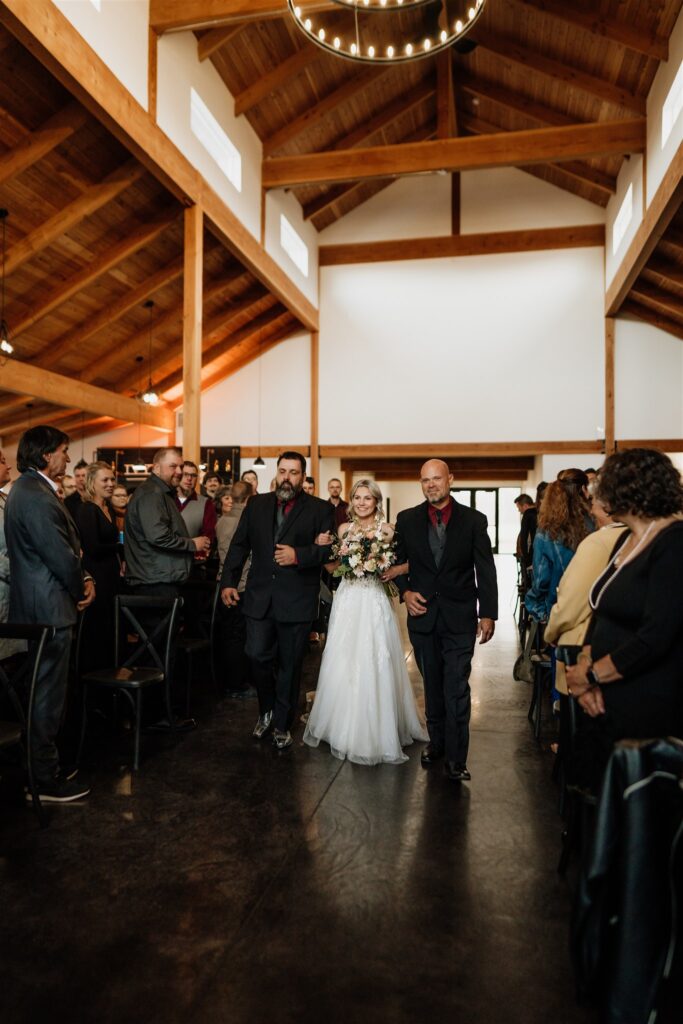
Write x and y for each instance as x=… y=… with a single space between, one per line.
x=118 y=33
x=658 y=158
x=648 y=382
x=279 y=201
x=483 y=348
x=179 y=71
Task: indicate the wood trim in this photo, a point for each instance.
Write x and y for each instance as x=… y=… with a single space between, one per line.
x=214 y=39
x=609 y=30
x=73 y=213
x=52 y=40
x=463 y=448
x=192 y=330
x=63 y=391
x=532 y=62
x=500 y=476
x=250 y=451
x=315 y=398
x=674 y=444
x=102 y=264
x=173 y=16
x=661 y=211
x=276 y=78
x=152 y=69
x=482 y=244
x=39 y=143
x=502 y=149
x=609 y=385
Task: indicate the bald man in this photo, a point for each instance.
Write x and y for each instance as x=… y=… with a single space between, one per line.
x=451 y=595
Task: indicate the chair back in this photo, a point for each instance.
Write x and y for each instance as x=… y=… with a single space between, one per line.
x=155 y=632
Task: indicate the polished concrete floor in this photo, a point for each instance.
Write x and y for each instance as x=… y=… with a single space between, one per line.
x=226 y=884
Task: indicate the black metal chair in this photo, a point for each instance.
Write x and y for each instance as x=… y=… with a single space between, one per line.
x=203 y=625
x=20 y=731
x=542 y=666
x=154 y=643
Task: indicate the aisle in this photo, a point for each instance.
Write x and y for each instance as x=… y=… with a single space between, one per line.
x=227 y=884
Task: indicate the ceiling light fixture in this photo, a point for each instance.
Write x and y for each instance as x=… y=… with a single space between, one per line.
x=6 y=346
x=410 y=30
x=149 y=397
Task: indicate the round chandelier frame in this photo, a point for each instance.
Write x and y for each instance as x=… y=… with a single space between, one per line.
x=352 y=44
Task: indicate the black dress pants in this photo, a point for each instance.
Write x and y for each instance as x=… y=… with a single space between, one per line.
x=276 y=652
x=445 y=660
x=48 y=708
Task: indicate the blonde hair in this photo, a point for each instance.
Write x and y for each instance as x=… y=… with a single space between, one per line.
x=91 y=472
x=373 y=487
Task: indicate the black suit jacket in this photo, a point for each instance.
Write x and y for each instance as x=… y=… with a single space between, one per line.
x=46 y=577
x=464 y=585
x=288 y=592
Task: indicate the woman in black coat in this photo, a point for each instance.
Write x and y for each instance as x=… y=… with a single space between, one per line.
x=629 y=678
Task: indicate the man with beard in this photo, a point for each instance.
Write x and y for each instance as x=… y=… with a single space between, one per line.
x=279 y=529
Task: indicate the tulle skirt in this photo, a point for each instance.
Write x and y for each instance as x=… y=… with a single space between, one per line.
x=364 y=705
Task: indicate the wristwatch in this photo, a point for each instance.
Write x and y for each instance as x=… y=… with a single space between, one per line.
x=592 y=677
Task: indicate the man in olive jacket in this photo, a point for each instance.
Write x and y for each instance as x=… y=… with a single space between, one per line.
x=158 y=549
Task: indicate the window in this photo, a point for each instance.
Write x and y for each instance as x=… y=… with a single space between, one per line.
x=294 y=245
x=673 y=104
x=215 y=141
x=97 y=4
x=622 y=220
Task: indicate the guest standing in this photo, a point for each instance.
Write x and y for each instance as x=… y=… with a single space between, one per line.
x=7 y=647
x=629 y=678
x=233 y=624
x=198 y=511
x=73 y=500
x=341 y=507
x=119 y=507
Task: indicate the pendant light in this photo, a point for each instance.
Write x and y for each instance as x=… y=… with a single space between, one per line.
x=6 y=346
x=149 y=397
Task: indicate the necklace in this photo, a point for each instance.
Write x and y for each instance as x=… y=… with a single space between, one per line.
x=619 y=564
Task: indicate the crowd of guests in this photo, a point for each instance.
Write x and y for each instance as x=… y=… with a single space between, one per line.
x=88 y=539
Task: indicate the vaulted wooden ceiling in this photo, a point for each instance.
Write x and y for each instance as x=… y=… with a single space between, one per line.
x=92 y=235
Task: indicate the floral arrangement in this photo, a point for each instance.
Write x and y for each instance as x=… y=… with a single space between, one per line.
x=363 y=556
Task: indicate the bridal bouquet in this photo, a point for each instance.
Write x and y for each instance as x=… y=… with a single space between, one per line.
x=362 y=557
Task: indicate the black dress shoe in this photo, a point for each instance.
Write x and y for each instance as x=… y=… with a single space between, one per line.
x=431 y=754
x=456 y=771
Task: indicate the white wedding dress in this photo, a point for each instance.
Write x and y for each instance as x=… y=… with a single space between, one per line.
x=364 y=705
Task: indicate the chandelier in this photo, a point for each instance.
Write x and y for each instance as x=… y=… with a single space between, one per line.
x=387 y=31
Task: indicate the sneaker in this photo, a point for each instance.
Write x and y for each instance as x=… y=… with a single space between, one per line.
x=282 y=740
x=61 y=791
x=263 y=724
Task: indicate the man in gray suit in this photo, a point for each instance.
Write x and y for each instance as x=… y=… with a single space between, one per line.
x=47 y=586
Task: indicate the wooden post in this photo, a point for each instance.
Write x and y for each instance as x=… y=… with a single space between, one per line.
x=447 y=125
x=315 y=457
x=192 y=331
x=152 y=68
x=609 y=385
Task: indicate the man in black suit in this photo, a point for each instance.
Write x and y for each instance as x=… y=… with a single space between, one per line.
x=279 y=529
x=451 y=595
x=48 y=586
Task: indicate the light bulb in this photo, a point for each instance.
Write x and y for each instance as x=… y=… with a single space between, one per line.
x=307 y=24
x=321 y=34
x=337 y=42
x=6 y=347
x=444 y=35
x=297 y=11
x=427 y=44
x=471 y=13
x=409 y=48
x=354 y=49
x=390 y=51
x=371 y=51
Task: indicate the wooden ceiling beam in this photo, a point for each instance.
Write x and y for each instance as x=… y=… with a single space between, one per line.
x=109 y=314
x=39 y=143
x=214 y=352
x=172 y=16
x=666 y=304
x=138 y=342
x=278 y=76
x=93 y=199
x=346 y=91
x=446 y=115
x=388 y=115
x=112 y=254
x=60 y=390
x=508 y=149
x=609 y=30
x=649 y=316
x=664 y=273
x=214 y=39
x=512 y=52
x=486 y=243
x=30 y=417
x=502 y=97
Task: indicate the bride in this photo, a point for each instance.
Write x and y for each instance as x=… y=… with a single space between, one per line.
x=364 y=705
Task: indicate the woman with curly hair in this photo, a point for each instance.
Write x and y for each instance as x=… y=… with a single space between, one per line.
x=563 y=522
x=629 y=678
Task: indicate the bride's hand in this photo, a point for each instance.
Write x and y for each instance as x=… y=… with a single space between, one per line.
x=394 y=571
x=323 y=539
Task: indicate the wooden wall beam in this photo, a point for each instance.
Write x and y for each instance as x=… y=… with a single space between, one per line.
x=658 y=215
x=484 y=464
x=39 y=143
x=532 y=62
x=500 y=476
x=278 y=76
x=192 y=331
x=673 y=444
x=271 y=451
x=503 y=149
x=315 y=400
x=93 y=199
x=241 y=358
x=620 y=33
x=463 y=448
x=535 y=239
x=57 y=389
x=172 y=16
x=609 y=385
x=51 y=38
